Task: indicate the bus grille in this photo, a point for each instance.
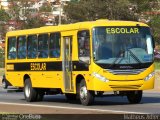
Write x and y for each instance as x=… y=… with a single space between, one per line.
x=126 y=71
x=132 y=87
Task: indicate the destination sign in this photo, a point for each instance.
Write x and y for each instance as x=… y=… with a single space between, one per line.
x=122 y=30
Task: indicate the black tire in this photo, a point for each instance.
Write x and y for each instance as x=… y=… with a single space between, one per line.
x=134 y=96
x=70 y=97
x=40 y=95
x=86 y=97
x=4 y=84
x=29 y=92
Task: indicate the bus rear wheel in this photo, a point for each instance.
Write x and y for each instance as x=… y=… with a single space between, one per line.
x=29 y=92
x=134 y=96
x=86 y=97
x=40 y=94
x=4 y=84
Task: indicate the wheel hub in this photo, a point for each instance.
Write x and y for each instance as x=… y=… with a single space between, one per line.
x=27 y=91
x=83 y=92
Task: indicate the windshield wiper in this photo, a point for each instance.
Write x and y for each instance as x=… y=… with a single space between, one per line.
x=134 y=56
x=118 y=56
x=121 y=53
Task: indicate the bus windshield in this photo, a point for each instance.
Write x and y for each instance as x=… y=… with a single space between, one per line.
x=122 y=45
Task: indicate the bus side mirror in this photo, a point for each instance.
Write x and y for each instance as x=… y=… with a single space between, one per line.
x=153 y=42
x=85 y=60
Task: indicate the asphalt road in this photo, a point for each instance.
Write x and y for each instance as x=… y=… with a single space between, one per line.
x=14 y=102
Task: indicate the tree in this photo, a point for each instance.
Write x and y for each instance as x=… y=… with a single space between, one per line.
x=2 y=31
x=144 y=5
x=84 y=10
x=3 y=19
x=19 y=9
x=23 y=10
x=2 y=58
x=155 y=25
x=46 y=7
x=34 y=22
x=149 y=6
x=4 y=15
x=88 y=10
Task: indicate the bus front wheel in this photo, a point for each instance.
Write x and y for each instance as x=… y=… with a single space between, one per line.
x=134 y=96
x=29 y=92
x=86 y=97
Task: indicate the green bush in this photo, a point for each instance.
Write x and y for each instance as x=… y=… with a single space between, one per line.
x=157 y=64
x=1 y=58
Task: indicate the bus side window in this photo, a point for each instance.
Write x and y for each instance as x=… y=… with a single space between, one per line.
x=21 y=41
x=32 y=46
x=54 y=45
x=84 y=46
x=43 y=46
x=83 y=43
x=12 y=50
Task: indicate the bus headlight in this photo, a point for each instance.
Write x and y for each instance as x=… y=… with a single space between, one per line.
x=149 y=76
x=100 y=77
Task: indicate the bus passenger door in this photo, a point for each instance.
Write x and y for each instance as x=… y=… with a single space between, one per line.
x=67 y=63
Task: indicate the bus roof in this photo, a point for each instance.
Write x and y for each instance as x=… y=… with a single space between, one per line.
x=74 y=26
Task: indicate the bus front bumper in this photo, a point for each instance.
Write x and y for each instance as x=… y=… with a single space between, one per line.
x=121 y=85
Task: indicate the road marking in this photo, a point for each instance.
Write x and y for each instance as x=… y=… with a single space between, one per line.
x=74 y=108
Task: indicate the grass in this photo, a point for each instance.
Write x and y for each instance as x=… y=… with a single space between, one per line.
x=1 y=71
x=157 y=65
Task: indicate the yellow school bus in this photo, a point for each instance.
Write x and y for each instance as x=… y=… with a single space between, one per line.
x=81 y=60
